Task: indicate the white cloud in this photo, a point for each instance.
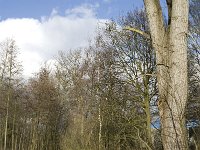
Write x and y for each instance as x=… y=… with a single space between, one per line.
x=39 y=40
x=84 y=11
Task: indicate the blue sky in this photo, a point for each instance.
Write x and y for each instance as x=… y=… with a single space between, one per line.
x=37 y=8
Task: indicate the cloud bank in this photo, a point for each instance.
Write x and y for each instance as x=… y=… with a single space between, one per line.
x=40 y=39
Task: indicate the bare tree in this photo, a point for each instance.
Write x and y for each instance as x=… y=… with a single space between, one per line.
x=10 y=69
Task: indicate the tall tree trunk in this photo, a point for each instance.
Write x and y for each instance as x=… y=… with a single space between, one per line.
x=147 y=110
x=170 y=44
x=99 y=115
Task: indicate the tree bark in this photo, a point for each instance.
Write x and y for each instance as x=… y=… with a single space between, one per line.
x=170 y=44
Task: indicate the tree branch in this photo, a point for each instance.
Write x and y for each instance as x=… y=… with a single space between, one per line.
x=137 y=31
x=155 y=18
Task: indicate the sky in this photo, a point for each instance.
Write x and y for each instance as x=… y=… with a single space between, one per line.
x=42 y=28
x=37 y=8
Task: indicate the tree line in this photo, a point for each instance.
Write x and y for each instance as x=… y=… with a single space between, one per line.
x=108 y=96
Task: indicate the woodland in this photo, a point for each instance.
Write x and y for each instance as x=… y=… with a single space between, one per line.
x=102 y=97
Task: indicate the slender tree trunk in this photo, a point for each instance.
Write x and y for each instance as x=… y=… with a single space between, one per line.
x=171 y=58
x=8 y=99
x=99 y=111
x=6 y=123
x=100 y=126
x=13 y=127
x=148 y=116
